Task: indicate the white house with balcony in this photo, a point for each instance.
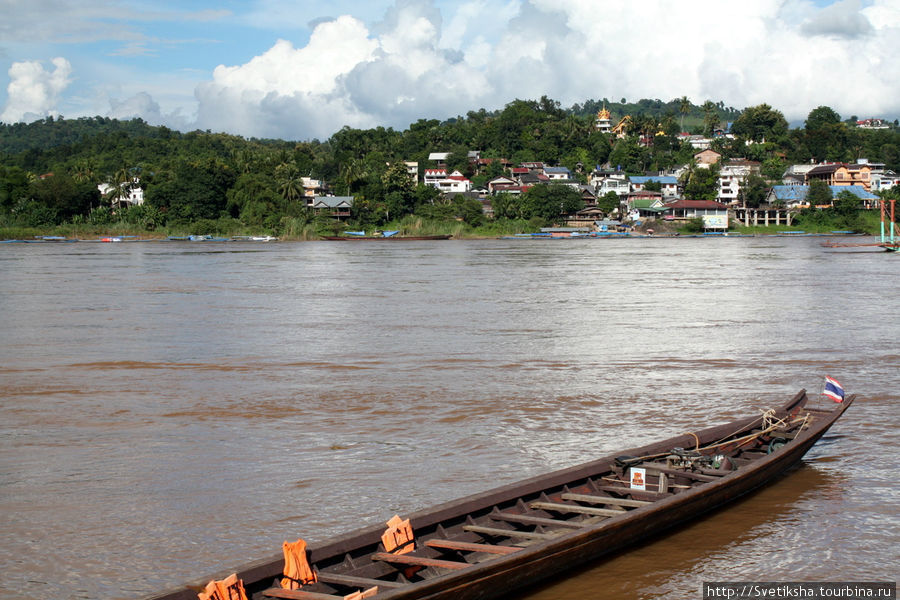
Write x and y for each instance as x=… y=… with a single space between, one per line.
x=732 y=176
x=454 y=183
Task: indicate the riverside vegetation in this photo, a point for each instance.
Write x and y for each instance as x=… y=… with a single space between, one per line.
x=215 y=183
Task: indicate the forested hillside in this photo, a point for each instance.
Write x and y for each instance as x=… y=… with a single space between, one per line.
x=49 y=169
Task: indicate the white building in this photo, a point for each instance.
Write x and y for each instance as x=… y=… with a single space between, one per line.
x=134 y=194
x=454 y=183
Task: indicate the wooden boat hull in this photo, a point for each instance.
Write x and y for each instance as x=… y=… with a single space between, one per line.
x=528 y=564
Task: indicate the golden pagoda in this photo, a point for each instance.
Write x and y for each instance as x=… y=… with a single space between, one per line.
x=603 y=122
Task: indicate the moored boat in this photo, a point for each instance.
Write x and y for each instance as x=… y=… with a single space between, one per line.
x=488 y=544
x=407 y=238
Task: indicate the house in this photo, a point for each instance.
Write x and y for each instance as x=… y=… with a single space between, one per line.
x=557 y=173
x=433 y=177
x=412 y=169
x=132 y=193
x=714 y=214
x=586 y=217
x=842 y=174
x=513 y=189
x=732 y=176
x=482 y=163
x=873 y=124
x=439 y=157
x=706 y=158
x=337 y=206
x=885 y=181
x=697 y=142
x=796 y=174
x=794 y=196
x=643 y=205
x=610 y=181
x=789 y=196
x=499 y=184
x=454 y=183
x=587 y=195
x=668 y=185
x=312 y=187
x=531 y=178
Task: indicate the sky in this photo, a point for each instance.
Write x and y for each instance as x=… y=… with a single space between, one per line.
x=302 y=69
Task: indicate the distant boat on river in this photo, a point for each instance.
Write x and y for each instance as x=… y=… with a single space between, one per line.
x=383 y=235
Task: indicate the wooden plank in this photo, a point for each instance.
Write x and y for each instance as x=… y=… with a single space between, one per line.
x=510 y=533
x=575 y=508
x=298 y=595
x=532 y=520
x=421 y=561
x=352 y=580
x=471 y=546
x=605 y=500
x=651 y=467
x=626 y=490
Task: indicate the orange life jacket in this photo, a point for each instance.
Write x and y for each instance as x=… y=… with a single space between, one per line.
x=297 y=571
x=230 y=588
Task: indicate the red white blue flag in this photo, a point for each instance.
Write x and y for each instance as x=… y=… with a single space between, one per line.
x=833 y=389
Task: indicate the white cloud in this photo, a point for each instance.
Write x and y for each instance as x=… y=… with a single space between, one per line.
x=34 y=92
x=438 y=59
x=841 y=19
x=409 y=66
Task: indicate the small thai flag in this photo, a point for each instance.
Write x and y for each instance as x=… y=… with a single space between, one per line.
x=833 y=389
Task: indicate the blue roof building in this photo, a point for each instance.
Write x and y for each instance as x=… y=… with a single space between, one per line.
x=795 y=195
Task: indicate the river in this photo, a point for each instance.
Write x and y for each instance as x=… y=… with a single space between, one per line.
x=174 y=409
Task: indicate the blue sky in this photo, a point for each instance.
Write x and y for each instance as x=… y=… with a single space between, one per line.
x=303 y=69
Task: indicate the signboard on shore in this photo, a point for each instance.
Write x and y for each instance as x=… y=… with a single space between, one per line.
x=715 y=221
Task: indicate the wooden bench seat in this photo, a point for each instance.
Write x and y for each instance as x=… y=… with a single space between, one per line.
x=510 y=533
x=576 y=508
x=532 y=520
x=354 y=581
x=419 y=561
x=661 y=468
x=470 y=546
x=605 y=500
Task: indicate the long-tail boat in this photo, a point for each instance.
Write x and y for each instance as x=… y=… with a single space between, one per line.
x=489 y=544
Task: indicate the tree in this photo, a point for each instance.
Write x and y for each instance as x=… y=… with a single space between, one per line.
x=821 y=117
x=819 y=193
x=753 y=191
x=289 y=181
x=684 y=107
x=468 y=210
x=550 y=202
x=710 y=118
x=197 y=190
x=608 y=202
x=64 y=196
x=759 y=123
x=703 y=184
x=825 y=136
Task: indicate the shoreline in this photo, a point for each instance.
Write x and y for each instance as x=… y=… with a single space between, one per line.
x=131 y=239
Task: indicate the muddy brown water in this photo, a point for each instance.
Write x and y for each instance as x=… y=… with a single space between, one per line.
x=174 y=409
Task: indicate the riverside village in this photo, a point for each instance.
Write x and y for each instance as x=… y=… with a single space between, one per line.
x=613 y=201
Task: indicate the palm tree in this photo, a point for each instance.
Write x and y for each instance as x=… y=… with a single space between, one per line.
x=83 y=170
x=121 y=187
x=710 y=118
x=290 y=184
x=352 y=171
x=684 y=107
